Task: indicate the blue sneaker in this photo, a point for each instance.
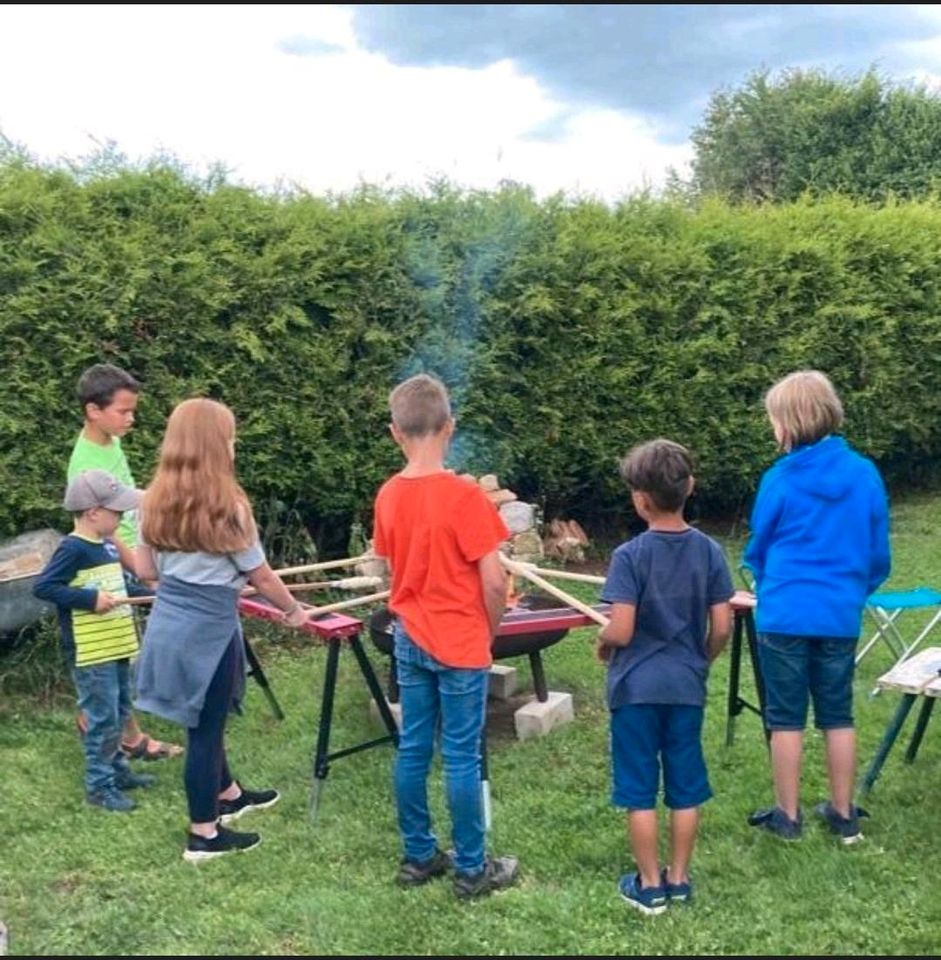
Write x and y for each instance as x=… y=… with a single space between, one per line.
x=676 y=892
x=110 y=799
x=776 y=821
x=846 y=828
x=648 y=900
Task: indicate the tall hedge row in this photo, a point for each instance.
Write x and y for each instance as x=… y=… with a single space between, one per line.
x=566 y=329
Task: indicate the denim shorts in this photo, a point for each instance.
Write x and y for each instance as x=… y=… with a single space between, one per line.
x=795 y=669
x=645 y=736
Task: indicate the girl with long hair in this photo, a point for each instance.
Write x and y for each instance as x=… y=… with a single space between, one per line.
x=199 y=540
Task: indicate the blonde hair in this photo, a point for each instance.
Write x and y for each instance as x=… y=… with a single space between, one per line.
x=420 y=405
x=805 y=407
x=195 y=502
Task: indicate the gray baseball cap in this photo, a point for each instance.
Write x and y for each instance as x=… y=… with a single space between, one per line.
x=98 y=488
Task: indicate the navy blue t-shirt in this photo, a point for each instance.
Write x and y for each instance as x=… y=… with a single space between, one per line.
x=672 y=579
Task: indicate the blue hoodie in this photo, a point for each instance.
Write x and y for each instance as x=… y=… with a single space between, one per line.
x=819 y=541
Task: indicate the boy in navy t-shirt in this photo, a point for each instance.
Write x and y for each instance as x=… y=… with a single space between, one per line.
x=670 y=618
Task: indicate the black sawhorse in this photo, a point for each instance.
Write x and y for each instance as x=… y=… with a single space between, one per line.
x=743 y=609
x=258 y=675
x=334 y=630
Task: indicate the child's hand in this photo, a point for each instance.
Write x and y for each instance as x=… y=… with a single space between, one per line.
x=603 y=652
x=106 y=602
x=297 y=617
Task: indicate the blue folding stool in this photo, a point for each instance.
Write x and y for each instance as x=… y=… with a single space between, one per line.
x=887 y=608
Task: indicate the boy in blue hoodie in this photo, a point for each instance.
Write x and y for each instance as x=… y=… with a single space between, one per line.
x=819 y=547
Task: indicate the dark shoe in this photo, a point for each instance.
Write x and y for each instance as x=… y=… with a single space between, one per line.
x=676 y=892
x=231 y=810
x=497 y=874
x=648 y=900
x=846 y=828
x=128 y=780
x=776 y=821
x=413 y=874
x=110 y=799
x=225 y=841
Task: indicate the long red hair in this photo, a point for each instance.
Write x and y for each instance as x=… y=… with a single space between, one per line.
x=195 y=501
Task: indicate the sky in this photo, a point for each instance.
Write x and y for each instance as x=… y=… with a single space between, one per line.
x=586 y=99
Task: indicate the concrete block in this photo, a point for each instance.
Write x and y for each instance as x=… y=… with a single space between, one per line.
x=395 y=708
x=502 y=681
x=536 y=719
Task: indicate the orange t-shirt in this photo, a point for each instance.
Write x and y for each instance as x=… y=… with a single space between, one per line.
x=433 y=530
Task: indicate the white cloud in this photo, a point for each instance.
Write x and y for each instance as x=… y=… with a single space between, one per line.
x=218 y=84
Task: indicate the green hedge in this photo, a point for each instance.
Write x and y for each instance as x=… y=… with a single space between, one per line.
x=567 y=330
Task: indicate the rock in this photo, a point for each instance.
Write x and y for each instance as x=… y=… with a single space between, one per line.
x=489 y=483
x=527 y=546
x=499 y=497
x=518 y=516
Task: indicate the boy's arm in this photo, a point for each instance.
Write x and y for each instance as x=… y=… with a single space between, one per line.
x=125 y=554
x=493 y=581
x=764 y=518
x=720 y=629
x=620 y=630
x=53 y=586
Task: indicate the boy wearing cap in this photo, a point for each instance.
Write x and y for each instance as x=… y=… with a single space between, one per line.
x=85 y=580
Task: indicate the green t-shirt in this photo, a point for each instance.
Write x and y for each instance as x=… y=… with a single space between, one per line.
x=93 y=456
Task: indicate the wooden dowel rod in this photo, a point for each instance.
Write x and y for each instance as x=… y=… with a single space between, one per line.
x=349 y=583
x=523 y=571
x=325 y=565
x=564 y=574
x=352 y=602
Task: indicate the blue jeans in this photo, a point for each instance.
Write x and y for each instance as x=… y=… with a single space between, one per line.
x=796 y=669
x=104 y=696
x=432 y=693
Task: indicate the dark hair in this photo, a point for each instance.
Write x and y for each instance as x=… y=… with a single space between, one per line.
x=661 y=469
x=99 y=384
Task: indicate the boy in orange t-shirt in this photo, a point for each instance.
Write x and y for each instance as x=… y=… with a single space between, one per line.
x=440 y=536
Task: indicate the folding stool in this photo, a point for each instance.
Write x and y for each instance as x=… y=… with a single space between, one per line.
x=887 y=608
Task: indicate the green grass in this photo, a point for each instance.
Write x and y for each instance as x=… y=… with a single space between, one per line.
x=74 y=880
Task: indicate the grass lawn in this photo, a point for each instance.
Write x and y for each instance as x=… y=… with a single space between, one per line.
x=76 y=880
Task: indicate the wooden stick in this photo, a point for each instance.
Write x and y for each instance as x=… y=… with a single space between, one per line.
x=523 y=570
x=325 y=565
x=352 y=602
x=349 y=583
x=314 y=611
x=562 y=574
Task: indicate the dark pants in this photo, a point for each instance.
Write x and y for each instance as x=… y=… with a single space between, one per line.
x=206 y=773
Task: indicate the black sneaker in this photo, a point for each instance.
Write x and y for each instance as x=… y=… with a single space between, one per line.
x=225 y=841
x=846 y=828
x=110 y=799
x=776 y=821
x=128 y=780
x=413 y=874
x=497 y=874
x=231 y=810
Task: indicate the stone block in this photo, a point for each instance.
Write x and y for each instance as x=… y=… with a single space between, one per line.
x=503 y=681
x=535 y=719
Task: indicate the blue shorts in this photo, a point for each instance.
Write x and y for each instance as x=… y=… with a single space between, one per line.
x=646 y=735
x=795 y=669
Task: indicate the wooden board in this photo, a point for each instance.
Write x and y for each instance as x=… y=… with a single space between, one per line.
x=920 y=674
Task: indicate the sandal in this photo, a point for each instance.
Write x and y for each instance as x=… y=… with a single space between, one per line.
x=149 y=749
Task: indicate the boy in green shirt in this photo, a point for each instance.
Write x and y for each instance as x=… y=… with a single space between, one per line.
x=108 y=397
